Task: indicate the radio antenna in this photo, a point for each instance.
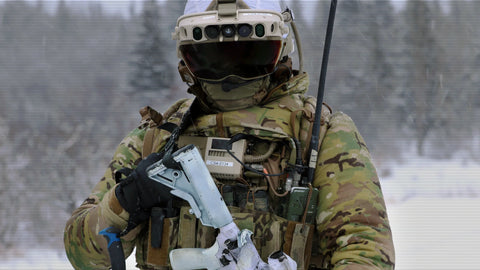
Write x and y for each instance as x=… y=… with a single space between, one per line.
x=314 y=143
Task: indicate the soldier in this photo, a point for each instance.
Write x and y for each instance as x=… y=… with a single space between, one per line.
x=235 y=59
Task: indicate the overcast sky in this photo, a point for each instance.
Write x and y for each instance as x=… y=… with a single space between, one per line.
x=122 y=6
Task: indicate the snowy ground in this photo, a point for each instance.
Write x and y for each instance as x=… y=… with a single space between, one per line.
x=432 y=206
x=433 y=211
x=44 y=260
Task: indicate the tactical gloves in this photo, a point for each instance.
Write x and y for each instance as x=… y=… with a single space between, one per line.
x=137 y=193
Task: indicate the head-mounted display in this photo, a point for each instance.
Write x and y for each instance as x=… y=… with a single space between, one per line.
x=232 y=41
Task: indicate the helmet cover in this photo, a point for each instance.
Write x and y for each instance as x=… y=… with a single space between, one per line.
x=198 y=6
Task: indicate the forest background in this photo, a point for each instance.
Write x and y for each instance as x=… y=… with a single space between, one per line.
x=73 y=77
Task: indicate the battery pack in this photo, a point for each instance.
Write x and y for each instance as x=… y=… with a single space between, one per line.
x=214 y=152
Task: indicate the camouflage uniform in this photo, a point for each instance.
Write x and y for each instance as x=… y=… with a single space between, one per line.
x=351 y=229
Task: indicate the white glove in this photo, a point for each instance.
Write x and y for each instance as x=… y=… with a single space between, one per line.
x=280 y=260
x=241 y=254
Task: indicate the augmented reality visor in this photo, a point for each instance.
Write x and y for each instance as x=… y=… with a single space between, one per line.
x=218 y=60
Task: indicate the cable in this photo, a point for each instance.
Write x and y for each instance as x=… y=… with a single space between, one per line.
x=245 y=166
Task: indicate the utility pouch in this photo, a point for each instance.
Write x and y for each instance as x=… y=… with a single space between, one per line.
x=158 y=256
x=302 y=204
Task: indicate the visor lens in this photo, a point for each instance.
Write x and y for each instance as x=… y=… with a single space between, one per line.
x=246 y=59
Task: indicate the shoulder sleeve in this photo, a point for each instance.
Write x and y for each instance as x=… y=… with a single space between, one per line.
x=351 y=218
x=85 y=248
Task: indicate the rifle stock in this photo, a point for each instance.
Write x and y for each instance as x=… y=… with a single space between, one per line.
x=195 y=258
x=190 y=180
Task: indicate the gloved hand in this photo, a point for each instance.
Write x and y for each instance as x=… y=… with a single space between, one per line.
x=243 y=255
x=240 y=253
x=137 y=193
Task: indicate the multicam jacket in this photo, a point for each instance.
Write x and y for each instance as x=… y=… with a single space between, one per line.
x=351 y=229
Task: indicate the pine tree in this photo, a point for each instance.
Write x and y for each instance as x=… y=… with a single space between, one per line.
x=375 y=96
x=462 y=99
x=426 y=70
x=63 y=16
x=347 y=75
x=311 y=28
x=171 y=11
x=151 y=69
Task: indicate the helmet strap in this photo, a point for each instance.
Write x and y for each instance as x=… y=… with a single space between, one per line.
x=186 y=75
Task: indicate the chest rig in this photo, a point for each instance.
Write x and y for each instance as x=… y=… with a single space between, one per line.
x=253 y=154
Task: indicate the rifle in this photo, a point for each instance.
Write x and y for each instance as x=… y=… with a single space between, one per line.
x=186 y=174
x=188 y=178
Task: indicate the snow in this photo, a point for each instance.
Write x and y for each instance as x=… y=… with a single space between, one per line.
x=436 y=233
x=432 y=207
x=44 y=260
x=433 y=210
x=420 y=177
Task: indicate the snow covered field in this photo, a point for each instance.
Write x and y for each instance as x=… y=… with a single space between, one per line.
x=433 y=210
x=44 y=260
x=432 y=206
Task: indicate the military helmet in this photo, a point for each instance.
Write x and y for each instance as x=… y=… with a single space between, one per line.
x=224 y=38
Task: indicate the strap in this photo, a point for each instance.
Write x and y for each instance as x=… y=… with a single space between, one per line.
x=150 y=134
x=220 y=127
x=148 y=142
x=172 y=141
x=152 y=121
x=301 y=245
x=298 y=243
x=309 y=109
